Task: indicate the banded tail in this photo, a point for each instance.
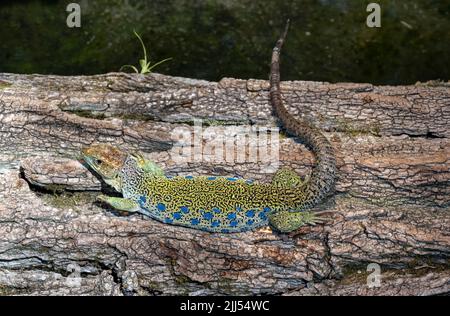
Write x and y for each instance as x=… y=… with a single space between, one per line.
x=323 y=177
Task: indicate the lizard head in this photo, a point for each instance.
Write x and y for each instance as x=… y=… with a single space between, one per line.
x=107 y=161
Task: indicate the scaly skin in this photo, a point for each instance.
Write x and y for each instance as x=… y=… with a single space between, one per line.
x=221 y=204
x=323 y=177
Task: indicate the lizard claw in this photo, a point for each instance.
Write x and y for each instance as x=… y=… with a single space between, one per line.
x=265 y=229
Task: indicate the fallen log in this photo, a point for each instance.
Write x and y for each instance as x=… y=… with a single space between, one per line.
x=391 y=206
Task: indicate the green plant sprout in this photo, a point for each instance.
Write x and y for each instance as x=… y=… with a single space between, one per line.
x=145 y=65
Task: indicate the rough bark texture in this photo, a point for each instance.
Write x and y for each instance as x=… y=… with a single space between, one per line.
x=391 y=206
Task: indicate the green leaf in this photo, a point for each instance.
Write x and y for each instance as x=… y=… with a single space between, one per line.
x=130 y=66
x=142 y=43
x=143 y=63
x=159 y=63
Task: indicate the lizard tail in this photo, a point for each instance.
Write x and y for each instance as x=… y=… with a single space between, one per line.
x=323 y=177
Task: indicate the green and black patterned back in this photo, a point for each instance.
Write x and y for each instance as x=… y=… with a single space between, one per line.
x=215 y=204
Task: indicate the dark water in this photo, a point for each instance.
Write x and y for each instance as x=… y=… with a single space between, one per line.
x=211 y=39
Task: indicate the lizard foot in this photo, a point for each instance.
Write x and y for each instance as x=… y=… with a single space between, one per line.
x=286 y=221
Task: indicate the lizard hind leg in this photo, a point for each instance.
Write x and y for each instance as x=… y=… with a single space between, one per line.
x=287 y=178
x=286 y=221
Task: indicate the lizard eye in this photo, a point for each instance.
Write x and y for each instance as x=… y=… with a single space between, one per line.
x=98 y=161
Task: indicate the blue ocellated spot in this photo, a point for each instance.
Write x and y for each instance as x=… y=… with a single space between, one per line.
x=231 y=216
x=225 y=230
x=169 y=177
x=215 y=223
x=231 y=179
x=195 y=221
x=142 y=200
x=238 y=208
x=211 y=178
x=250 y=213
x=262 y=216
x=233 y=223
x=216 y=210
x=267 y=209
x=168 y=220
x=177 y=215
x=184 y=209
x=249 y=181
x=208 y=216
x=189 y=177
x=161 y=206
x=250 y=222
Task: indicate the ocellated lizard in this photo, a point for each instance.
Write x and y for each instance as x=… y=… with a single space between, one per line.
x=222 y=204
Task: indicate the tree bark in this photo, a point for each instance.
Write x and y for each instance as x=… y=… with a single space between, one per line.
x=391 y=205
